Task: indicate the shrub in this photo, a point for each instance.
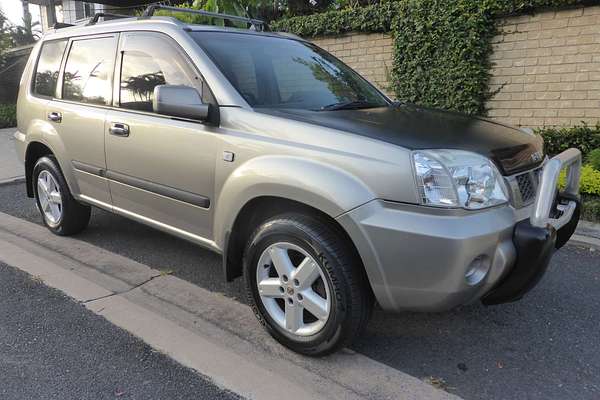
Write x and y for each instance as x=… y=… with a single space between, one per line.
x=590 y=181
x=589 y=184
x=8 y=115
x=584 y=137
x=591 y=209
x=593 y=158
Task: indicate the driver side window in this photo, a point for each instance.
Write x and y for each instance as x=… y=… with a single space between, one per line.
x=149 y=60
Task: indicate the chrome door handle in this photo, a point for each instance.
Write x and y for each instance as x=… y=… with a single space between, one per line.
x=55 y=117
x=119 y=129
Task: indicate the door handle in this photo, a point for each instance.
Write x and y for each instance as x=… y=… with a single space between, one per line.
x=119 y=129
x=55 y=117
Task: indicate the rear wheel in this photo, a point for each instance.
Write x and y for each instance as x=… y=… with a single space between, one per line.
x=306 y=284
x=61 y=213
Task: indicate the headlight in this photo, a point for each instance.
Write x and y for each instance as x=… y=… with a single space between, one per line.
x=456 y=178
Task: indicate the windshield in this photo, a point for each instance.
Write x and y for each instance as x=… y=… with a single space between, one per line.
x=271 y=72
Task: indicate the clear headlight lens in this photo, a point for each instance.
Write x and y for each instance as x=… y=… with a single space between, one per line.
x=456 y=178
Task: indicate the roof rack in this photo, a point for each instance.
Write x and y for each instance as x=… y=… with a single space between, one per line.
x=106 y=17
x=255 y=24
x=60 y=25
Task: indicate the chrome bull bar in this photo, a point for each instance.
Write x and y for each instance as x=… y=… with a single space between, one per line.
x=546 y=192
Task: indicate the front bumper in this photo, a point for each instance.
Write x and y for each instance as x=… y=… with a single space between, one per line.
x=426 y=259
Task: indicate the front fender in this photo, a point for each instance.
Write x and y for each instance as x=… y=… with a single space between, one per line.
x=316 y=184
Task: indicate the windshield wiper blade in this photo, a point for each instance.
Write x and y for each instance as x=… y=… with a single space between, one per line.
x=349 y=105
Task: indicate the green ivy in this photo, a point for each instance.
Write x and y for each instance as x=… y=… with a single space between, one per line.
x=441 y=47
x=373 y=18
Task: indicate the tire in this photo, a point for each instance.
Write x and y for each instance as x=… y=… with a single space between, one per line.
x=73 y=217
x=341 y=282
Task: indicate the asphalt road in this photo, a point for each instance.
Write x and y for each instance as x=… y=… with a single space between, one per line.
x=544 y=347
x=51 y=347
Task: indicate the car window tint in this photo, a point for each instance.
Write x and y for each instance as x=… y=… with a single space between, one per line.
x=46 y=74
x=275 y=72
x=88 y=71
x=241 y=69
x=150 y=60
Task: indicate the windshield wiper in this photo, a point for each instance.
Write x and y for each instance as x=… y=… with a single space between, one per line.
x=349 y=105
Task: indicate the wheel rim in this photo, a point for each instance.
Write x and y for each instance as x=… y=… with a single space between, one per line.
x=49 y=197
x=293 y=289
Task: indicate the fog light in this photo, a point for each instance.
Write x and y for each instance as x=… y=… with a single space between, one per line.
x=477 y=270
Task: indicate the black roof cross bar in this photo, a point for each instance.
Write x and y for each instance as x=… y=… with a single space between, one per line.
x=256 y=24
x=60 y=25
x=106 y=16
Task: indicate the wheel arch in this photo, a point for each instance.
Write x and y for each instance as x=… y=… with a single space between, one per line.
x=35 y=151
x=38 y=147
x=258 y=210
x=270 y=185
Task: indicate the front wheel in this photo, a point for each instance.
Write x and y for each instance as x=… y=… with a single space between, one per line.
x=306 y=284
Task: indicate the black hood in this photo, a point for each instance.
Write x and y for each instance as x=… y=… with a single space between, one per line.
x=419 y=128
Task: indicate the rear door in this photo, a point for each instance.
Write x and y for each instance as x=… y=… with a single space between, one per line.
x=160 y=168
x=79 y=112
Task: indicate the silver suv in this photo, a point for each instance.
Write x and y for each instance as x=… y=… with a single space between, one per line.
x=324 y=194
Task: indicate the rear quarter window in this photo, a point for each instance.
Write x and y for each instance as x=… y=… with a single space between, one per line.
x=48 y=66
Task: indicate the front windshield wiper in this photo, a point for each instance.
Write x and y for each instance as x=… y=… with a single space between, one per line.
x=349 y=105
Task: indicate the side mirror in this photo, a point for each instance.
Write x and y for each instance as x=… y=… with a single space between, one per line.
x=179 y=101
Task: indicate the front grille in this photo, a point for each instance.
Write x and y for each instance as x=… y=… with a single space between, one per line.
x=524 y=187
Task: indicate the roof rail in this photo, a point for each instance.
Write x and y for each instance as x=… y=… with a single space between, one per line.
x=255 y=24
x=106 y=17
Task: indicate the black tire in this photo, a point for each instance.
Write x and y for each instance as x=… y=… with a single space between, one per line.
x=75 y=216
x=351 y=296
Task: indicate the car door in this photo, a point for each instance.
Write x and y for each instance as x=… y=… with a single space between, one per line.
x=79 y=111
x=160 y=169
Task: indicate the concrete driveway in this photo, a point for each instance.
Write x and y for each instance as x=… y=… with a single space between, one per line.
x=10 y=166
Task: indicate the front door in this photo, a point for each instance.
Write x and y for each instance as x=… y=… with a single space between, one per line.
x=160 y=169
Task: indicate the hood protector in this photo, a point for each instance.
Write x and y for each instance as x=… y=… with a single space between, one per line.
x=418 y=128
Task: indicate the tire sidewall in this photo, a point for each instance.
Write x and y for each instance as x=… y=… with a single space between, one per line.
x=282 y=230
x=49 y=165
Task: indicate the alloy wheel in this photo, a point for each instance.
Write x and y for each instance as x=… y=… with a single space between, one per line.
x=293 y=289
x=50 y=198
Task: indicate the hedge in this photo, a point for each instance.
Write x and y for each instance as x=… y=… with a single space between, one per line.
x=584 y=137
x=591 y=209
x=441 y=48
x=593 y=158
x=8 y=115
x=589 y=184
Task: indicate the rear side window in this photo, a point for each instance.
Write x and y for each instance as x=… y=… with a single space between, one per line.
x=88 y=71
x=149 y=60
x=46 y=74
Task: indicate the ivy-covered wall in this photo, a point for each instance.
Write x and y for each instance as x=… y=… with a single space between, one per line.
x=442 y=48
